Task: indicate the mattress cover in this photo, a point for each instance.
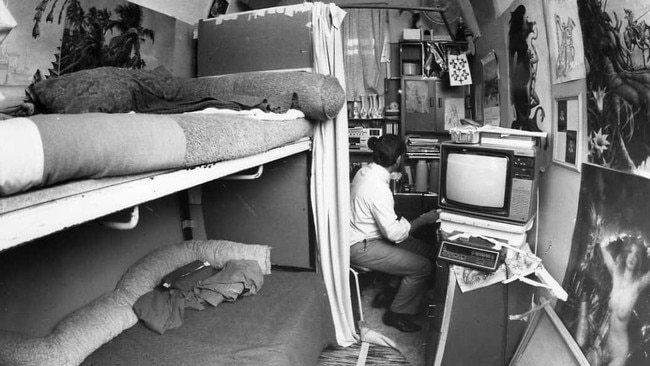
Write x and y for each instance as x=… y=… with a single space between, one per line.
x=288 y=322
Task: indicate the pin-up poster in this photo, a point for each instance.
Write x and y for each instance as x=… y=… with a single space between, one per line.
x=608 y=276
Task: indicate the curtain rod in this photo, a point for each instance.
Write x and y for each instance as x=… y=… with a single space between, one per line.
x=398 y=7
x=440 y=10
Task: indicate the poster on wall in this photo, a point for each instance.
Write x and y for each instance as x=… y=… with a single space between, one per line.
x=564 y=40
x=529 y=74
x=490 y=107
x=608 y=275
x=616 y=40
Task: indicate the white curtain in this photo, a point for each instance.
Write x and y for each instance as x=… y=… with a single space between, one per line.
x=330 y=193
x=365 y=37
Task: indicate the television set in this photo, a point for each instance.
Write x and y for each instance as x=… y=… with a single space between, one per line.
x=494 y=182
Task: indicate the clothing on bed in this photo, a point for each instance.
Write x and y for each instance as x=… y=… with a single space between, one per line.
x=163 y=309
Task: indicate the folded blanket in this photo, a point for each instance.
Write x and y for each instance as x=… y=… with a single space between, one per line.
x=46 y=149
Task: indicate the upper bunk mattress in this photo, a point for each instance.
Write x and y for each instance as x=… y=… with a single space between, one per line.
x=46 y=149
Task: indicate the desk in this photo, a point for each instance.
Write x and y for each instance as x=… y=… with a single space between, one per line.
x=472 y=328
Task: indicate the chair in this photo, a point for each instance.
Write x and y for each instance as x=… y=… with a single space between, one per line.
x=356 y=271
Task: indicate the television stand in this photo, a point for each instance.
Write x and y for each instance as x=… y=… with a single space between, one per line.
x=472 y=328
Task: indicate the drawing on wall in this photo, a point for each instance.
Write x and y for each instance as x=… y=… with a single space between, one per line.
x=608 y=276
x=616 y=48
x=454 y=112
x=565 y=40
x=523 y=42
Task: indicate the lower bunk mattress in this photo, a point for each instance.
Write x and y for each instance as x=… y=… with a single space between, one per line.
x=288 y=322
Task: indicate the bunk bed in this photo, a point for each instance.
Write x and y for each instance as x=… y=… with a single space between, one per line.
x=288 y=321
x=143 y=156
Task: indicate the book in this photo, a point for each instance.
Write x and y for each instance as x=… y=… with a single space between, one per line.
x=508 y=140
x=510 y=131
x=183 y=271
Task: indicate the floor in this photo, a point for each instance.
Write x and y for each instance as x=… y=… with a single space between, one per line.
x=411 y=345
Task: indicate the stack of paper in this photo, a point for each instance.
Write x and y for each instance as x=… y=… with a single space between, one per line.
x=418 y=147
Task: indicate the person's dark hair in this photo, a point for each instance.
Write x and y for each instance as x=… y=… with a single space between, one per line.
x=386 y=149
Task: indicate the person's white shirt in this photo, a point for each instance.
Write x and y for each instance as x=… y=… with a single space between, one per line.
x=372 y=207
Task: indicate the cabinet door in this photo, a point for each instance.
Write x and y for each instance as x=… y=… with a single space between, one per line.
x=272 y=210
x=418 y=105
x=431 y=105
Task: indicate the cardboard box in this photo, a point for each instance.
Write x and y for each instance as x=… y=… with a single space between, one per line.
x=276 y=39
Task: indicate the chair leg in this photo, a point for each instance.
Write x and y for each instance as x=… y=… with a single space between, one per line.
x=358 y=292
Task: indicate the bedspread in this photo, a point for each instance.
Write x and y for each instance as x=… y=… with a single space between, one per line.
x=43 y=150
x=287 y=323
x=115 y=90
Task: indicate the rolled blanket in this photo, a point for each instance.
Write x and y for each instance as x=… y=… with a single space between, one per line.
x=319 y=96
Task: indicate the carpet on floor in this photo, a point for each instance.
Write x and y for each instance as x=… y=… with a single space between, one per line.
x=377 y=355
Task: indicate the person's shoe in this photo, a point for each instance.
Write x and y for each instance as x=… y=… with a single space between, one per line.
x=401 y=322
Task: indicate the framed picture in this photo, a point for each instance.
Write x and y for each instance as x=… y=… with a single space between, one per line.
x=567 y=131
x=546 y=341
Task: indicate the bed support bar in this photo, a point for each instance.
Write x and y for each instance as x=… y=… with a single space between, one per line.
x=256 y=175
x=128 y=225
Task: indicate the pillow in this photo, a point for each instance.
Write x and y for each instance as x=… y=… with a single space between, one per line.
x=86 y=329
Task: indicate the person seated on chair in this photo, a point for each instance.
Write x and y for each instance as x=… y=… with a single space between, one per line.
x=380 y=240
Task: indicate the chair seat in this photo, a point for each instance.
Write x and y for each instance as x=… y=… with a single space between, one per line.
x=360 y=269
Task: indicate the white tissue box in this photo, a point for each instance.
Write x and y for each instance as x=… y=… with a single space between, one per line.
x=412 y=34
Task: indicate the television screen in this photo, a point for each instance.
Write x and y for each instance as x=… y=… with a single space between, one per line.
x=479 y=180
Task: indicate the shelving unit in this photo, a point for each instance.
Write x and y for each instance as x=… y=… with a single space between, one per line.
x=428 y=103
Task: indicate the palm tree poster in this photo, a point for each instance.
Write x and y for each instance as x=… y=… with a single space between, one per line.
x=608 y=275
x=94 y=37
x=616 y=39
